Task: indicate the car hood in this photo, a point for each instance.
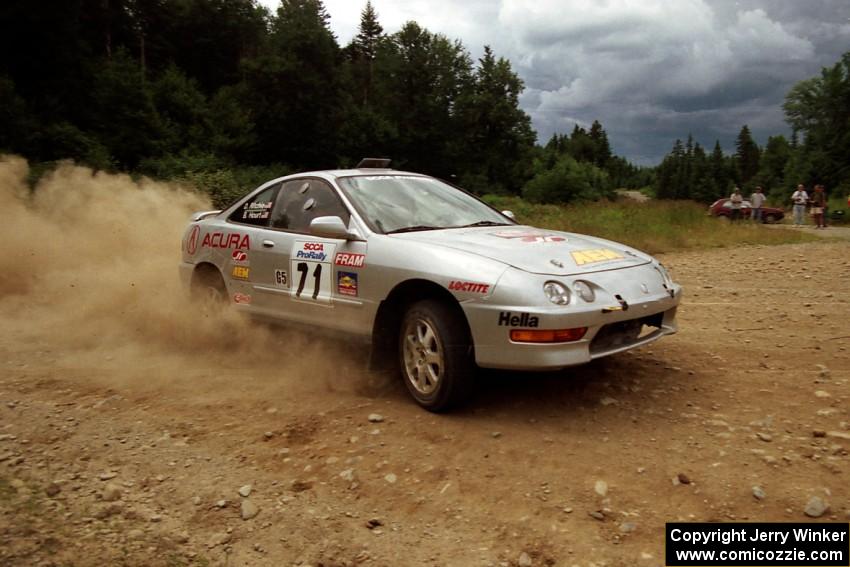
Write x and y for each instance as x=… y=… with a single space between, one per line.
x=535 y=250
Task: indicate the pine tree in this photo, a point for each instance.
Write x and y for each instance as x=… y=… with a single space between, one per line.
x=747 y=156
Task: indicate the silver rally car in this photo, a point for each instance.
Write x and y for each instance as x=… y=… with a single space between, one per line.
x=432 y=277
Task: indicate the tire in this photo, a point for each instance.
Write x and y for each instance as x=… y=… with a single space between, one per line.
x=208 y=290
x=724 y=218
x=435 y=355
x=770 y=219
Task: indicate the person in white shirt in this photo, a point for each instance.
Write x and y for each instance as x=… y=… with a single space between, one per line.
x=800 y=198
x=756 y=201
x=736 y=200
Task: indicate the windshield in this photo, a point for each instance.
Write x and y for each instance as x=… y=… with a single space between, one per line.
x=403 y=203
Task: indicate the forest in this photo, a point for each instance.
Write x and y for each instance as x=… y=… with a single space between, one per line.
x=225 y=94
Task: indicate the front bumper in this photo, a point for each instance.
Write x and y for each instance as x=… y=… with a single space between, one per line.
x=650 y=314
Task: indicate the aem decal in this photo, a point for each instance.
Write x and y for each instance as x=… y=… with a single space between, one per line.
x=240 y=272
x=242 y=298
x=530 y=236
x=350 y=260
x=192 y=241
x=346 y=283
x=469 y=287
x=582 y=257
x=508 y=319
x=226 y=240
x=281 y=278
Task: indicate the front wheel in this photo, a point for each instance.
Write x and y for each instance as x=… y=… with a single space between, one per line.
x=435 y=355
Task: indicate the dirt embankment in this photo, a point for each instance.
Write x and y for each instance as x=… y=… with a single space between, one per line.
x=129 y=424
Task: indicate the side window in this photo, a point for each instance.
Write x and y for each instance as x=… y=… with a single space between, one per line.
x=257 y=211
x=302 y=200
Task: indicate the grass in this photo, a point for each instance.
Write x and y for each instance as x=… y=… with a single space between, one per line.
x=654 y=226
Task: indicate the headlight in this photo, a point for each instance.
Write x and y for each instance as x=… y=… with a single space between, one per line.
x=557 y=293
x=584 y=291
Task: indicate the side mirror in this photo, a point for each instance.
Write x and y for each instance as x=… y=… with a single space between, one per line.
x=509 y=214
x=331 y=227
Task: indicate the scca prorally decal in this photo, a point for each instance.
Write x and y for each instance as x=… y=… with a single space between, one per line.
x=239 y=256
x=350 y=260
x=508 y=319
x=192 y=241
x=346 y=283
x=582 y=257
x=311 y=251
x=226 y=240
x=242 y=298
x=469 y=287
x=240 y=272
x=531 y=236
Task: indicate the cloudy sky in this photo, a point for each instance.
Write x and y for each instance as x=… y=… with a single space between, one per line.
x=650 y=71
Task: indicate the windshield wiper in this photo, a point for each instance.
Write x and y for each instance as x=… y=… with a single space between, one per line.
x=482 y=223
x=414 y=228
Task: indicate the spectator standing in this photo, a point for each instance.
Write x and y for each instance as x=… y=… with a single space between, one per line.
x=818 y=204
x=736 y=200
x=800 y=198
x=756 y=201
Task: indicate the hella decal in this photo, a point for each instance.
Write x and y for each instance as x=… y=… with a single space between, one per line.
x=242 y=298
x=192 y=241
x=582 y=257
x=226 y=240
x=346 y=283
x=508 y=319
x=469 y=287
x=350 y=260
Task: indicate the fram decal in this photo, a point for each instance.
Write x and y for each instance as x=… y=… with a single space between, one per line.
x=582 y=257
x=240 y=272
x=242 y=298
x=316 y=251
x=469 y=287
x=192 y=241
x=226 y=240
x=239 y=256
x=350 y=260
x=346 y=283
x=532 y=236
x=508 y=319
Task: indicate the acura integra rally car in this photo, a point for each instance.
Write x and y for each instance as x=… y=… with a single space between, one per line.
x=432 y=277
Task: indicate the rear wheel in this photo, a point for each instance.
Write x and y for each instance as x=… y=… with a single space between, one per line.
x=208 y=290
x=435 y=355
x=770 y=218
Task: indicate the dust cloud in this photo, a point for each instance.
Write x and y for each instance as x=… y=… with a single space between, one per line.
x=89 y=286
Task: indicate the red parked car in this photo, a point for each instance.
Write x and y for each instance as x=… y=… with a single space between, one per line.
x=722 y=208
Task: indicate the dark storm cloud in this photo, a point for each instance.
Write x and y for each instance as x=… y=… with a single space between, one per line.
x=650 y=70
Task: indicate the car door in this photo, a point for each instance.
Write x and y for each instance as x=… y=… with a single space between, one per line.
x=303 y=277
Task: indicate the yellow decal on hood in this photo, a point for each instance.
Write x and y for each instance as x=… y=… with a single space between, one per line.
x=583 y=257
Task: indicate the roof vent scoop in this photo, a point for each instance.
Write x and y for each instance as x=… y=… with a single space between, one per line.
x=374 y=163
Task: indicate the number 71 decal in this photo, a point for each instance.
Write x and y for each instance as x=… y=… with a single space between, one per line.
x=311 y=268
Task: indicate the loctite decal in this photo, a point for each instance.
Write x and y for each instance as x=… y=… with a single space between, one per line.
x=582 y=257
x=469 y=287
x=226 y=240
x=350 y=260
